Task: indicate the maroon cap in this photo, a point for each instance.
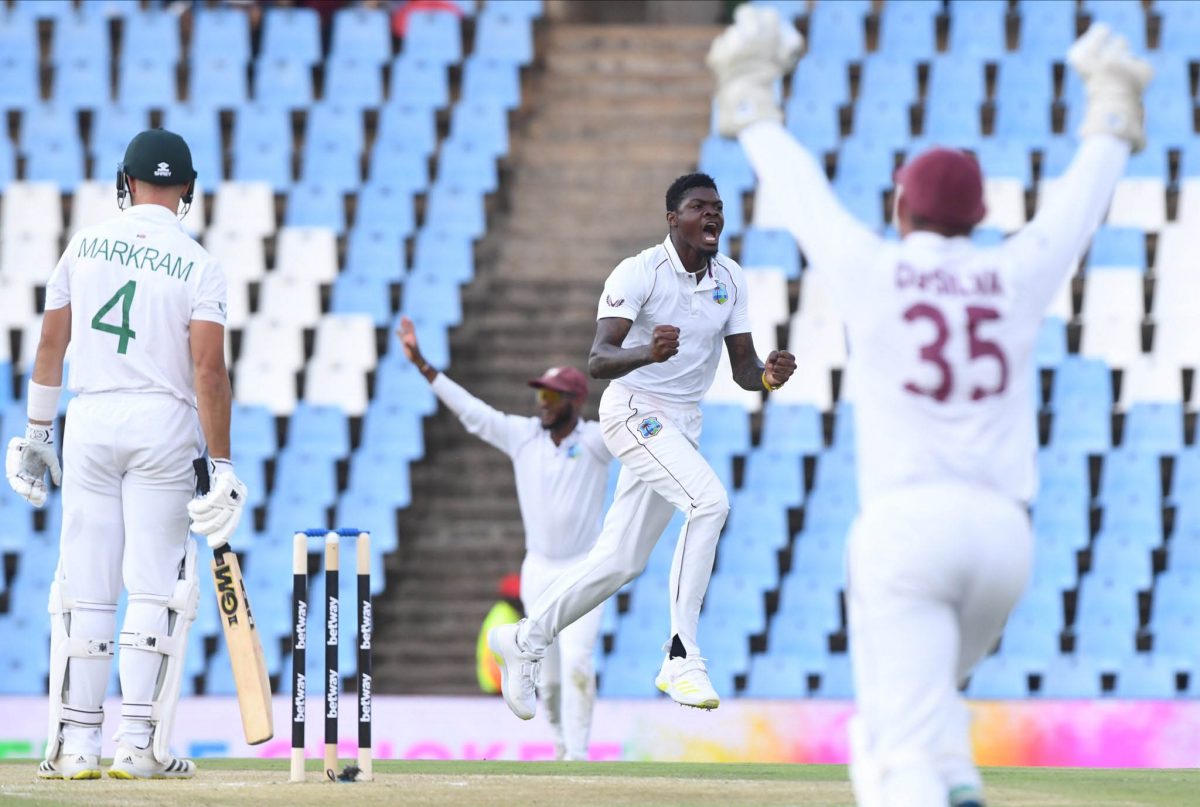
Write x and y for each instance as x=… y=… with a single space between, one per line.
x=566 y=380
x=945 y=186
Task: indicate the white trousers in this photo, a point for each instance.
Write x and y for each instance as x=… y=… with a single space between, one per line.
x=661 y=471
x=127 y=479
x=568 y=676
x=933 y=573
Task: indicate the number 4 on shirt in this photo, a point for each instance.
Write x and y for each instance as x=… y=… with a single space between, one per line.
x=124 y=296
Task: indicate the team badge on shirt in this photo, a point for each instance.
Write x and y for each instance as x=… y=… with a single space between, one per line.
x=720 y=294
x=573 y=451
x=650 y=427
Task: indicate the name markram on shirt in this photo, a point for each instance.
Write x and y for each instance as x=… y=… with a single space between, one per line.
x=143 y=257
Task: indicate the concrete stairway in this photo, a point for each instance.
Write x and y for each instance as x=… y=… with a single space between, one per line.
x=612 y=115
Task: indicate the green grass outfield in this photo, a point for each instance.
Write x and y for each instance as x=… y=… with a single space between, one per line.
x=263 y=783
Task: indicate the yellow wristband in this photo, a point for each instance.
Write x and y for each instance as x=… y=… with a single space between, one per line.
x=767 y=386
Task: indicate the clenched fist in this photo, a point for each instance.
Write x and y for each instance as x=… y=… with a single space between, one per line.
x=779 y=368
x=664 y=343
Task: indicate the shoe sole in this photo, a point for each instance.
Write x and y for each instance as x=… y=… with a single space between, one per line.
x=707 y=706
x=504 y=680
x=126 y=776
x=76 y=777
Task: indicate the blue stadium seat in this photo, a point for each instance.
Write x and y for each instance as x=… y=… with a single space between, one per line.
x=1057 y=153
x=813 y=122
x=1179 y=27
x=771 y=249
x=777 y=474
x=412 y=127
x=1107 y=597
x=1155 y=427
x=257 y=124
x=1055 y=563
x=489 y=78
x=1024 y=119
x=628 y=674
x=1083 y=379
x=375 y=254
x=291 y=33
x=377 y=516
x=1186 y=477
x=143 y=82
x=1000 y=677
x=399 y=166
x=821 y=548
x=1134 y=512
x=737 y=599
x=1130 y=469
x=908 y=29
x=262 y=161
x=724 y=158
x=288 y=512
x=1175 y=592
x=200 y=126
x=978 y=29
x=757 y=564
x=887 y=78
x=501 y=34
x=220 y=33
x=354 y=81
x=1070 y=677
x=362 y=294
x=251 y=471
x=1019 y=77
x=958 y=77
x=952 y=121
x=1047 y=28
x=361 y=33
x=217 y=82
x=863 y=160
x=39 y=10
x=1147 y=676
x=302 y=471
x=822 y=79
x=58 y=161
x=468 y=163
x=755 y=519
x=252 y=430
x=777 y=675
x=433 y=35
x=836 y=678
x=726 y=426
x=1106 y=640
x=432 y=297
x=399 y=382
x=1169 y=122
x=838 y=30
x=1124 y=556
x=435 y=341
x=443 y=253
x=1051 y=347
x=837 y=469
x=394 y=426
x=81 y=83
x=419 y=81
x=79 y=37
x=319 y=430
x=49 y=122
x=455 y=210
x=313 y=205
x=18 y=38
x=157 y=26
x=283 y=81
x=792 y=428
x=1178 y=636
x=329 y=161
x=1118 y=246
x=384 y=209
x=481 y=122
x=813 y=595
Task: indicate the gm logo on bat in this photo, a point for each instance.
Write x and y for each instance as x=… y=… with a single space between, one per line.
x=227 y=593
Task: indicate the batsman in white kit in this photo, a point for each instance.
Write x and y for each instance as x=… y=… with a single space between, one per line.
x=661 y=322
x=941 y=335
x=142 y=307
x=561 y=467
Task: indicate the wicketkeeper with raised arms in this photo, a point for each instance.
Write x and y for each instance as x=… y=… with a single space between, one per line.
x=142 y=307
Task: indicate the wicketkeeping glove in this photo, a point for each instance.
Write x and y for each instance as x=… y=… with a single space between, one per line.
x=1114 y=79
x=217 y=513
x=747 y=60
x=27 y=461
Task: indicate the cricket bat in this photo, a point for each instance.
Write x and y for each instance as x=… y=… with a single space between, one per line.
x=250 y=676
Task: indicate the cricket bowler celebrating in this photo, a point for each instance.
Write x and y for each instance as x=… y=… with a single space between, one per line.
x=941 y=335
x=661 y=322
x=142 y=306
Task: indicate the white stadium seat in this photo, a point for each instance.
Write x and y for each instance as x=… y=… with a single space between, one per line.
x=808 y=386
x=245 y=206
x=31 y=206
x=266 y=384
x=271 y=341
x=816 y=297
x=346 y=339
x=1188 y=213
x=817 y=341
x=29 y=253
x=31 y=334
x=1177 y=340
x=1113 y=293
x=194 y=222
x=240 y=253
x=1139 y=202
x=94 y=202
x=1177 y=279
x=1005 y=200
x=342 y=385
x=768 y=295
x=1113 y=338
x=1151 y=379
x=726 y=390
x=309 y=252
x=18 y=308
x=288 y=298
x=237 y=310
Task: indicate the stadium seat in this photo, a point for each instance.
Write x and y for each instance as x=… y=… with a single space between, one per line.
x=724 y=159
x=1124 y=556
x=813 y=122
x=777 y=675
x=836 y=679
x=1068 y=677
x=81 y=82
x=355 y=81
x=821 y=78
x=408 y=127
x=313 y=206
x=469 y=163
x=337 y=384
x=814 y=596
x=837 y=30
x=283 y=81
x=376 y=254
x=777 y=474
x=361 y=33
x=240 y=254
x=30 y=256
x=977 y=29
x=483 y=122
x=382 y=473
x=1179 y=27
x=1151 y=379
x=1118 y=247
x=291 y=33
x=503 y=35
x=362 y=294
x=346 y=338
x=908 y=29
x=290 y=298
x=1000 y=677
x=267 y=384
x=1122 y=16
x=434 y=298
x=455 y=210
x=244 y=207
x=157 y=26
x=1104 y=640
x=221 y=33
x=272 y=341
x=433 y=35
x=445 y=254
x=320 y=431
x=1147 y=676
x=490 y=78
x=419 y=81
x=306 y=252
x=887 y=79
x=405 y=168
x=394 y=426
x=217 y=82
x=1048 y=28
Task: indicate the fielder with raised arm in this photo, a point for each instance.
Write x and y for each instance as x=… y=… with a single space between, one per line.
x=561 y=467
x=142 y=306
x=941 y=335
x=661 y=322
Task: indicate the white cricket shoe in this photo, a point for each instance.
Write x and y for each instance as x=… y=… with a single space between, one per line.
x=137 y=763
x=519 y=671
x=685 y=679
x=70 y=766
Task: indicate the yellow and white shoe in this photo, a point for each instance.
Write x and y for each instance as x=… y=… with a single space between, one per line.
x=685 y=679
x=136 y=763
x=70 y=766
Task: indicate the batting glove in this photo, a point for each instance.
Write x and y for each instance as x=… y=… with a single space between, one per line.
x=1114 y=80
x=747 y=60
x=27 y=461
x=216 y=514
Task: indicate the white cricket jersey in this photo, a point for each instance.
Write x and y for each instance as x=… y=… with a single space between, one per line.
x=941 y=331
x=134 y=283
x=560 y=488
x=653 y=288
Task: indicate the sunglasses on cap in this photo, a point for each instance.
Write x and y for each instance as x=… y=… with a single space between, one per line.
x=550 y=397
